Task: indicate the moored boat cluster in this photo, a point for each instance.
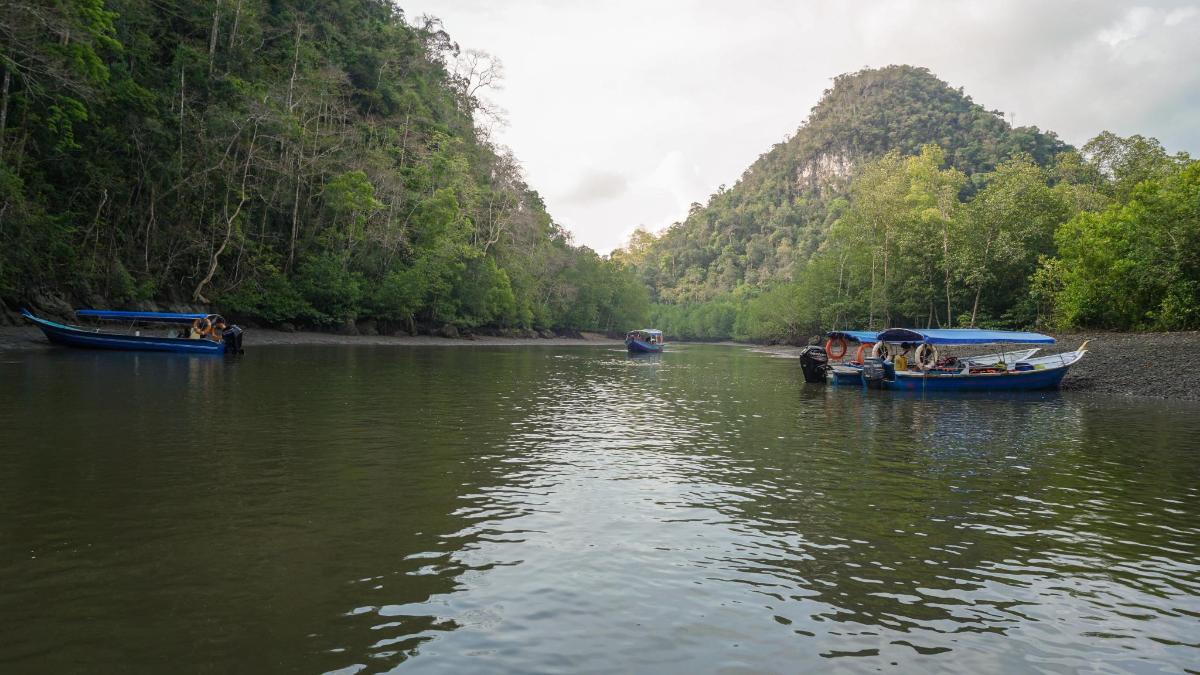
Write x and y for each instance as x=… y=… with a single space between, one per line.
x=905 y=359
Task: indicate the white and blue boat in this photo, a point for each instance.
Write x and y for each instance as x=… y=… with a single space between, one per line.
x=644 y=341
x=904 y=359
x=194 y=333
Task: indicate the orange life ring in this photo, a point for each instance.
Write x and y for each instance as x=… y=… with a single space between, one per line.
x=839 y=342
x=863 y=347
x=202 y=326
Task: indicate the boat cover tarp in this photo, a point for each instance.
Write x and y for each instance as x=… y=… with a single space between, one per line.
x=963 y=336
x=854 y=335
x=649 y=331
x=117 y=315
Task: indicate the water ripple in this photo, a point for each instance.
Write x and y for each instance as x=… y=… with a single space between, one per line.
x=578 y=510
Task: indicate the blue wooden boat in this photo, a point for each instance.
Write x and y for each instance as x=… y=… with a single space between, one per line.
x=644 y=341
x=890 y=366
x=197 y=333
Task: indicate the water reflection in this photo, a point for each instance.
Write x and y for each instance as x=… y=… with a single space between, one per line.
x=578 y=509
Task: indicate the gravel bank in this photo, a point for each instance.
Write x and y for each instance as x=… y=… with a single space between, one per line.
x=1154 y=365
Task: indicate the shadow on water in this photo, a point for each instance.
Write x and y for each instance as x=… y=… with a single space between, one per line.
x=522 y=510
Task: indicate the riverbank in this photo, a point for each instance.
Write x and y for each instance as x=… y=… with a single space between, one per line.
x=1123 y=364
x=22 y=338
x=1149 y=365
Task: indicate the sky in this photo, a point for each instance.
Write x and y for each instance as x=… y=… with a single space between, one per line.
x=624 y=112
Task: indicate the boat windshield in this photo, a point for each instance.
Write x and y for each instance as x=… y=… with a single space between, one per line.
x=649 y=337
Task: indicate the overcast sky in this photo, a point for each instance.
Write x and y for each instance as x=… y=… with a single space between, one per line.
x=624 y=112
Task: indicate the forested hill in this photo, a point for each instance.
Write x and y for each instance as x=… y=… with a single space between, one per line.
x=779 y=211
x=901 y=202
x=310 y=162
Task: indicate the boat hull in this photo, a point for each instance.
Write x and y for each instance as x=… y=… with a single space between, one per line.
x=72 y=336
x=846 y=375
x=1030 y=380
x=639 y=347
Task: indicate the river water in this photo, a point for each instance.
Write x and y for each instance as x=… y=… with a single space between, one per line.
x=574 y=509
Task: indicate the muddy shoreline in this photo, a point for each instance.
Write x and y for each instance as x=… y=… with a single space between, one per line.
x=1146 y=365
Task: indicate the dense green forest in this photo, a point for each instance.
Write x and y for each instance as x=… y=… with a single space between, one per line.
x=325 y=163
x=311 y=162
x=902 y=202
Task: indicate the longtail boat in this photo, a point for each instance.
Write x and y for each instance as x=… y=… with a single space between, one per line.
x=905 y=359
x=195 y=333
x=644 y=341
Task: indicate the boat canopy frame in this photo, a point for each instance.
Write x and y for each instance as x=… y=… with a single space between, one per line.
x=945 y=336
x=963 y=336
x=146 y=317
x=854 y=335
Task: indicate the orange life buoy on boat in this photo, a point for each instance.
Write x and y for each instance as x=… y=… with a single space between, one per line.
x=201 y=327
x=836 y=342
x=863 y=348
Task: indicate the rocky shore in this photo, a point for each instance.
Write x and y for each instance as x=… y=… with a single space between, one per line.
x=1153 y=365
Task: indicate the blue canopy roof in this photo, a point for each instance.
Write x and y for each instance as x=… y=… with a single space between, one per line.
x=854 y=335
x=963 y=336
x=118 y=315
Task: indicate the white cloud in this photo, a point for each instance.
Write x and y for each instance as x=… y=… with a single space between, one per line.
x=679 y=178
x=1180 y=15
x=624 y=112
x=597 y=186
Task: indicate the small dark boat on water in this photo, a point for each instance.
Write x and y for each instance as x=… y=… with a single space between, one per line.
x=196 y=333
x=644 y=341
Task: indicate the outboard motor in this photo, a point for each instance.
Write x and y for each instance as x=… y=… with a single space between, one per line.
x=814 y=362
x=873 y=373
x=233 y=339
